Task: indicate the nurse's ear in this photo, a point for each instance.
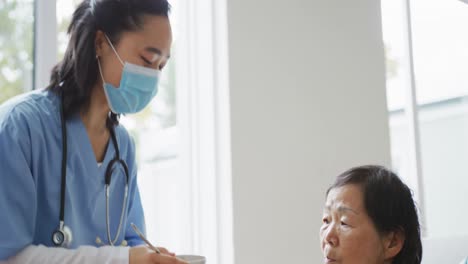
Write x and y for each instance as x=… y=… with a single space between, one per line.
x=100 y=44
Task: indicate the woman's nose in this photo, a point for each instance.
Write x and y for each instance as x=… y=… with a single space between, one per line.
x=331 y=236
x=157 y=65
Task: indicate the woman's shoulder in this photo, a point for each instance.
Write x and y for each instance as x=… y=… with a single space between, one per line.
x=30 y=108
x=122 y=132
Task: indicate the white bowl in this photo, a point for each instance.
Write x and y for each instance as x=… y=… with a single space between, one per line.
x=193 y=259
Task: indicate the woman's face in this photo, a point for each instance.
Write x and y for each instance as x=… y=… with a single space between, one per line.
x=348 y=235
x=149 y=47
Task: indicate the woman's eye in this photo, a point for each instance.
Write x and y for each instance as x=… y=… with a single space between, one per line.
x=145 y=60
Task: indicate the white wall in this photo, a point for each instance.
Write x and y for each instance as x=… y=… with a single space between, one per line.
x=307 y=102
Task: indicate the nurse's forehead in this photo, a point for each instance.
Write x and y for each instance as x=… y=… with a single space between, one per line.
x=138 y=46
x=157 y=32
x=151 y=45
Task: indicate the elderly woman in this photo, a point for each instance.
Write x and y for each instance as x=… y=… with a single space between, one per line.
x=370 y=217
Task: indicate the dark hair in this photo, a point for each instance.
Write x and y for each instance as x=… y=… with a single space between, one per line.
x=389 y=203
x=76 y=74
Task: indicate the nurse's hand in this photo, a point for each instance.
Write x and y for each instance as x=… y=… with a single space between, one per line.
x=144 y=255
x=165 y=251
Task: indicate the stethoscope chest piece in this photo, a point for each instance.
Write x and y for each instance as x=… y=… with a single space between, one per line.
x=62 y=237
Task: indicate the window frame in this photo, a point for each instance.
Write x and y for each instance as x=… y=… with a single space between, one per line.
x=412 y=113
x=45 y=43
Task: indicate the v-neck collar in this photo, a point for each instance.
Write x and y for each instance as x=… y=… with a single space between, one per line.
x=77 y=128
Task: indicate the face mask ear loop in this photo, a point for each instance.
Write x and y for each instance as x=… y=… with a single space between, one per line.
x=103 y=83
x=112 y=46
x=100 y=70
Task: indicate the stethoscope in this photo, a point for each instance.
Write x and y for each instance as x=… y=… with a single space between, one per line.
x=62 y=236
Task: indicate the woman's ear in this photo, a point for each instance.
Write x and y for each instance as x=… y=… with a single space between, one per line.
x=393 y=243
x=100 y=43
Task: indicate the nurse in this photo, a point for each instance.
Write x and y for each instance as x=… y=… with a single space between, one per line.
x=68 y=187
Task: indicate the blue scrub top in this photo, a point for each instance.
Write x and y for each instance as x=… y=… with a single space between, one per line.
x=30 y=178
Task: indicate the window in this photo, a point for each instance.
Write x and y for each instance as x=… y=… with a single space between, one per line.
x=426 y=47
x=65 y=10
x=16 y=40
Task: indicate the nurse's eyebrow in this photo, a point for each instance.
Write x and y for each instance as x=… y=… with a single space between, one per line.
x=156 y=51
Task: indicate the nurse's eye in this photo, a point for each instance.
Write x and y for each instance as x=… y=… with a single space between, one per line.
x=147 y=62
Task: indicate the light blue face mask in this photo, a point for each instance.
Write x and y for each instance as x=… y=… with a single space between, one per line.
x=138 y=86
